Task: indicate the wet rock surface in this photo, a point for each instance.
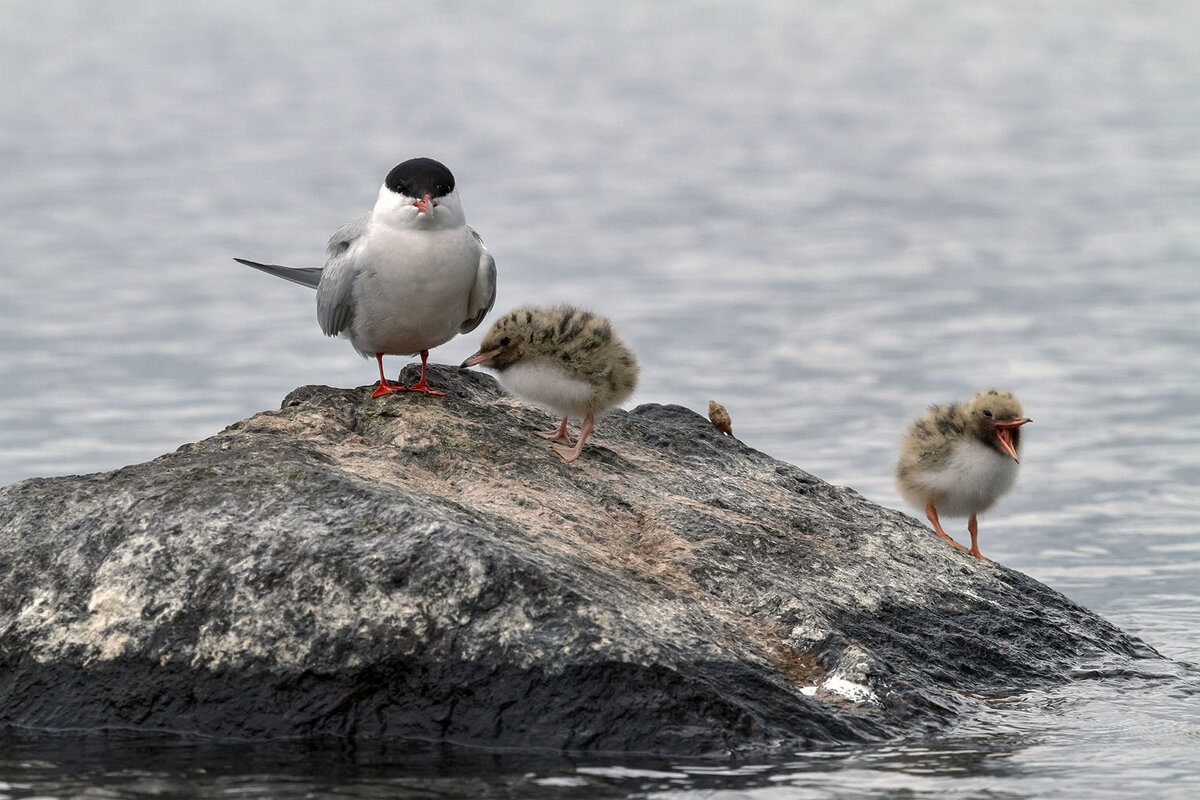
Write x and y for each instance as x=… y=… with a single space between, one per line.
x=424 y=568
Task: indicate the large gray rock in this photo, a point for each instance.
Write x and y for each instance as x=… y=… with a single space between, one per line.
x=414 y=567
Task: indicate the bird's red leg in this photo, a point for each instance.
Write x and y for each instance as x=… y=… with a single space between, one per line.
x=569 y=454
x=931 y=513
x=973 y=529
x=558 y=435
x=421 y=386
x=384 y=386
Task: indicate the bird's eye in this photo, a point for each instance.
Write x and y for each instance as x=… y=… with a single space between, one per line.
x=505 y=341
x=987 y=413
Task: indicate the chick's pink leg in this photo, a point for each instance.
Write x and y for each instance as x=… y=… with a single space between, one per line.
x=569 y=454
x=931 y=513
x=973 y=529
x=558 y=435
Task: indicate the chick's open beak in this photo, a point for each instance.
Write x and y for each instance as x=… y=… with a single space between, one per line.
x=481 y=359
x=1004 y=435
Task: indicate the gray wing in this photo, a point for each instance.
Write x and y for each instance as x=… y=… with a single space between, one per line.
x=483 y=294
x=335 y=294
x=305 y=276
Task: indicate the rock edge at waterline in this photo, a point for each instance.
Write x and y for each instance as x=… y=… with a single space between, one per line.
x=424 y=568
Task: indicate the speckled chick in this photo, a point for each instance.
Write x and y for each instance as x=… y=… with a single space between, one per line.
x=563 y=358
x=959 y=459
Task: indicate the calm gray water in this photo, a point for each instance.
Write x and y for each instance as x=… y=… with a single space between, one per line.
x=826 y=217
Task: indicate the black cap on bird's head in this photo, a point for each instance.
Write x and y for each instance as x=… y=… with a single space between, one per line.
x=420 y=177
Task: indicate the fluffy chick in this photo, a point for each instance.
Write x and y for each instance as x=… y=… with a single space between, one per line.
x=563 y=358
x=961 y=458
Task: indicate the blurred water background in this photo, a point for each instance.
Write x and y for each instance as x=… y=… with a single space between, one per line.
x=825 y=216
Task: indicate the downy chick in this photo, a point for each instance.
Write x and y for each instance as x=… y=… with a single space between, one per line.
x=959 y=459
x=563 y=358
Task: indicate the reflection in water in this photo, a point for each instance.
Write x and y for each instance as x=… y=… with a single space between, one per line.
x=127 y=766
x=1026 y=745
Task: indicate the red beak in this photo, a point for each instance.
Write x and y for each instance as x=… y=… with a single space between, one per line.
x=1004 y=435
x=425 y=205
